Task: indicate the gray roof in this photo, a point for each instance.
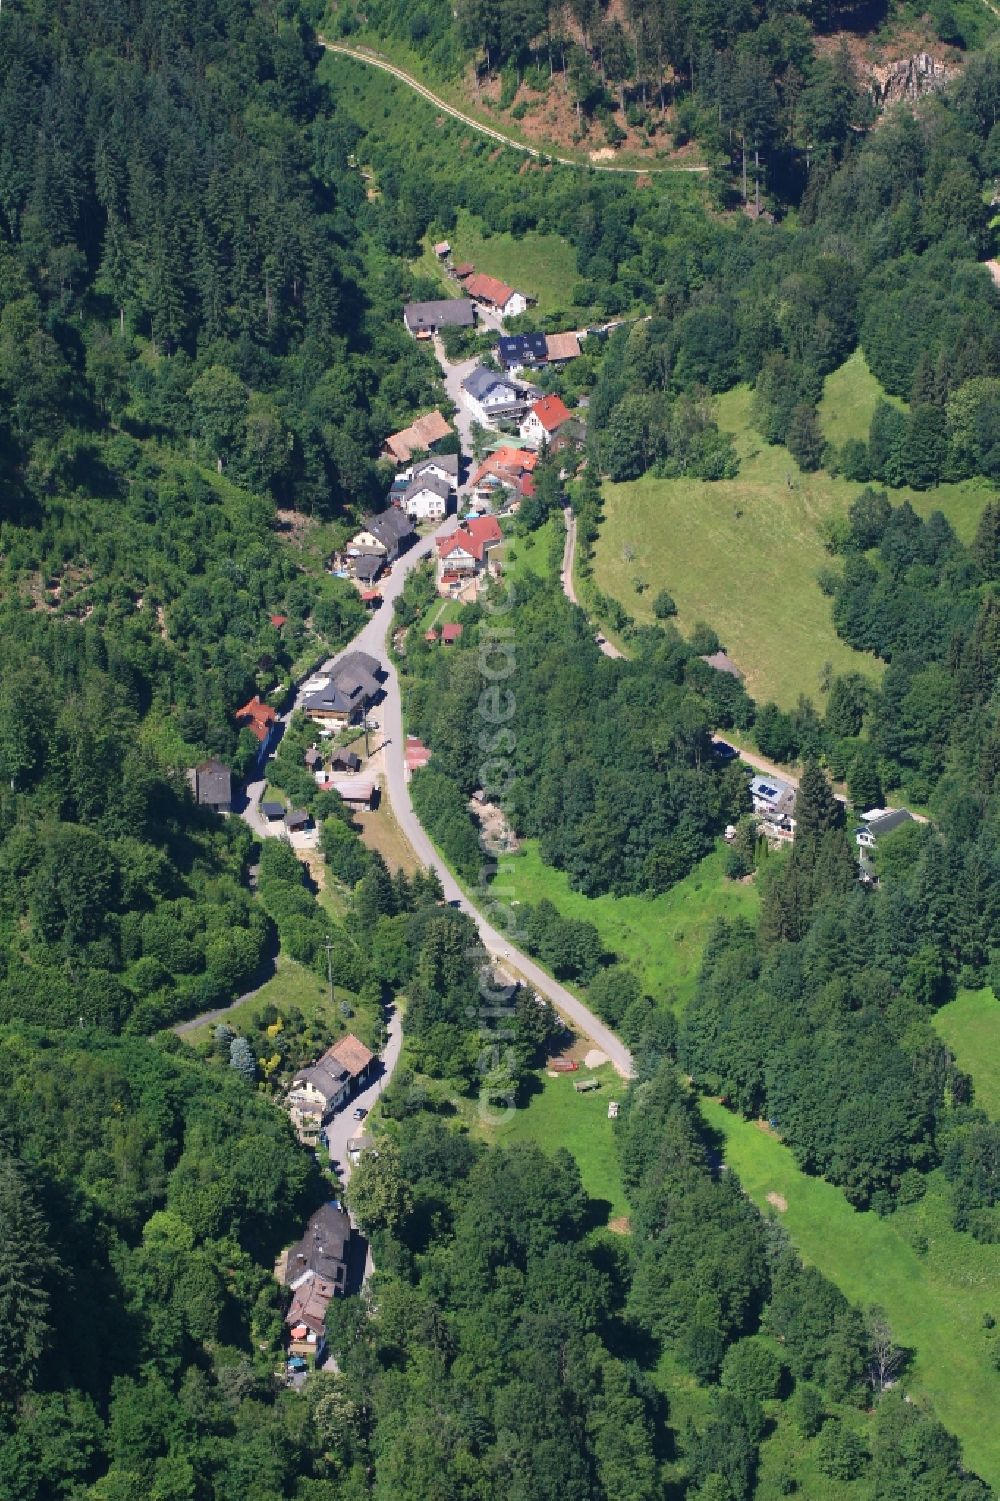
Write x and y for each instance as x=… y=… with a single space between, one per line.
x=523 y=349
x=272 y=810
x=450 y=312
x=889 y=821
x=358 y=661
x=446 y=461
x=323 y=1247
x=438 y=487
x=353 y=679
x=213 y=783
x=482 y=380
x=345 y=761
x=297 y=818
x=368 y=566
x=390 y=527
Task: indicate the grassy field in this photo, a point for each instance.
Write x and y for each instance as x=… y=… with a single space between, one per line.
x=970 y=1025
x=743 y=555
x=661 y=937
x=935 y=1301
x=556 y=1116
x=850 y=396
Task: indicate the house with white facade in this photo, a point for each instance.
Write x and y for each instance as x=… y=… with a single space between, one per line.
x=544 y=419
x=495 y=295
x=490 y=396
x=426 y=498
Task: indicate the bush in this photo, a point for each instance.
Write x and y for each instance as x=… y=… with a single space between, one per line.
x=664 y=606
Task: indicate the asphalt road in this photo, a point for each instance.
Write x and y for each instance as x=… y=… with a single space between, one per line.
x=343 y=1127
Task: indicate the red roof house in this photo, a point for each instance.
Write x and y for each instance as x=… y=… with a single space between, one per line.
x=544 y=419
x=258 y=717
x=450 y=633
x=278 y=621
x=472 y=540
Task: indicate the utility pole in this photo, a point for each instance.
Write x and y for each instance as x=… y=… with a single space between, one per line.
x=329 y=965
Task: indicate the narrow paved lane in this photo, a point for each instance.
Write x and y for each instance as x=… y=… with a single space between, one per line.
x=343 y=1126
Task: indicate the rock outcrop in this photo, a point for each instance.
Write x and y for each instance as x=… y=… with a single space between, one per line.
x=908 y=78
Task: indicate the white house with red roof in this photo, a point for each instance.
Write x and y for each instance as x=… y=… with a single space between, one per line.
x=495 y=294
x=465 y=553
x=543 y=420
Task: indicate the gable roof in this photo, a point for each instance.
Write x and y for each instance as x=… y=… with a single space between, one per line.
x=323 y=1246
x=551 y=412
x=562 y=346
x=507 y=463
x=256 y=716
x=448 y=462
x=431 y=482
x=423 y=433
x=389 y=527
x=474 y=536
x=351 y=1053
x=488 y=289
x=462 y=269
x=213 y=782
x=481 y=381
x=892 y=818
x=451 y=631
x=449 y=312
x=522 y=349
x=368 y=566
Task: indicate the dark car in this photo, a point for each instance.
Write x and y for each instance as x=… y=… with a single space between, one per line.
x=724 y=751
x=360 y=1113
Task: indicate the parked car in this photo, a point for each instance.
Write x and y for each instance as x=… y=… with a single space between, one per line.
x=360 y=1113
x=724 y=750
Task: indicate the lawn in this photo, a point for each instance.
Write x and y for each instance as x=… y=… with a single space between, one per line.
x=291 y=985
x=556 y=1116
x=970 y=1025
x=531 y=553
x=744 y=555
x=661 y=937
x=935 y=1301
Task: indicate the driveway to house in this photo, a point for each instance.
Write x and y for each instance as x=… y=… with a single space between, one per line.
x=569 y=553
x=453 y=378
x=343 y=1127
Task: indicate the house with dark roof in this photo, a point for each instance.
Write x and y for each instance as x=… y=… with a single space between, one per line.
x=316 y=1092
x=877 y=824
x=297 y=820
x=315 y=1269
x=344 y=760
x=213 y=786
x=422 y=319
x=386 y=535
x=490 y=395
x=343 y=693
x=516 y=352
x=272 y=811
x=426 y=498
x=442 y=466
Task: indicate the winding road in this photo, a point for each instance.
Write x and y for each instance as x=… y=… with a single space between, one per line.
x=373 y=60
x=569 y=588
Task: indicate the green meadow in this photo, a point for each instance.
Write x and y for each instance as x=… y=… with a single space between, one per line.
x=970 y=1025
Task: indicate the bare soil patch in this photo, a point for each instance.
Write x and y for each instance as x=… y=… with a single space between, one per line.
x=620 y=1225
x=778 y=1200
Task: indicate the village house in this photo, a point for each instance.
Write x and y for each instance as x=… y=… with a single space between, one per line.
x=876 y=824
x=465 y=553
x=272 y=810
x=357 y=792
x=212 y=785
x=420 y=437
x=345 y=760
x=316 y=1271
x=316 y=1092
x=495 y=294
x=490 y=396
x=343 y=694
x=559 y=348
x=262 y=722
x=385 y=536
x=426 y=498
x=442 y=466
x=544 y=420
x=773 y=800
x=422 y=319
x=517 y=352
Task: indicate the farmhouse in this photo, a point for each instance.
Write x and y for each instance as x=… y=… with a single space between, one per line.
x=319 y=1090
x=495 y=294
x=426 y=498
x=489 y=395
x=517 y=352
x=422 y=319
x=544 y=420
x=417 y=438
x=316 y=1271
x=464 y=553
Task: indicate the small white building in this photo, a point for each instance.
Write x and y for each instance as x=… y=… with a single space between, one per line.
x=426 y=498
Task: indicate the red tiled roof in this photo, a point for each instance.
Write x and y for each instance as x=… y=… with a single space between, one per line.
x=256 y=716
x=551 y=412
x=526 y=486
x=430 y=635
x=464 y=268
x=278 y=621
x=489 y=289
x=450 y=632
x=473 y=537
x=367 y=595
x=506 y=461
